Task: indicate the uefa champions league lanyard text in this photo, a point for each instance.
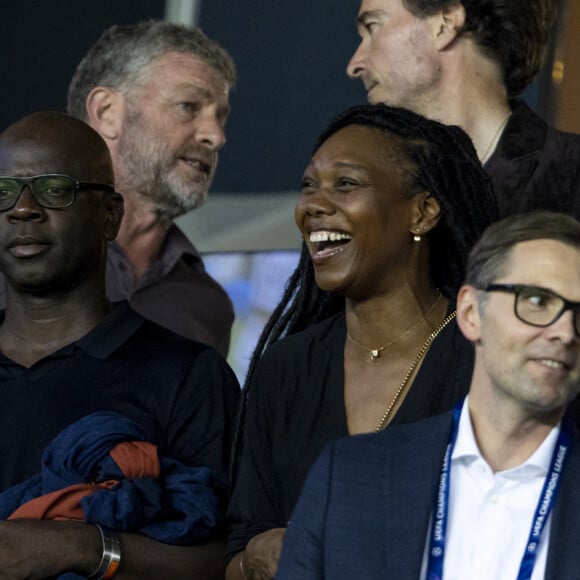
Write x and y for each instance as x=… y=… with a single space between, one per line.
x=543 y=509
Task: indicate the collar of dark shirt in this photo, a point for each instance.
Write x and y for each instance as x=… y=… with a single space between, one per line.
x=102 y=341
x=176 y=246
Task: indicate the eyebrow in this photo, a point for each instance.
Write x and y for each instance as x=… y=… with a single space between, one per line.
x=339 y=165
x=366 y=15
x=347 y=165
x=206 y=95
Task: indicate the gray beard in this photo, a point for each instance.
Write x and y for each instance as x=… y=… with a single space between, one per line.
x=146 y=165
x=169 y=200
x=166 y=198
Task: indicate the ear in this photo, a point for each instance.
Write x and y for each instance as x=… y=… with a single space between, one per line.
x=447 y=25
x=468 y=318
x=114 y=209
x=426 y=215
x=105 y=110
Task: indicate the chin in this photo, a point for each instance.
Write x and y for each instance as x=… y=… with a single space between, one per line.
x=327 y=284
x=376 y=96
x=175 y=198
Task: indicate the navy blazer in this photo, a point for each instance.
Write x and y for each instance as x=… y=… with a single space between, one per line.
x=365 y=508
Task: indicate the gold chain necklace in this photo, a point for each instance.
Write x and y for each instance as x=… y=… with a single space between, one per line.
x=384 y=419
x=375 y=353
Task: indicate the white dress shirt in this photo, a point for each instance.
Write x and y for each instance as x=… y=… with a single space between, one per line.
x=490 y=514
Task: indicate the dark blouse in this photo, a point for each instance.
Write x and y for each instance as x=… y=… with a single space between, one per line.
x=296 y=406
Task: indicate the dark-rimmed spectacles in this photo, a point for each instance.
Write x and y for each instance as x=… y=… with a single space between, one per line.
x=51 y=190
x=538 y=306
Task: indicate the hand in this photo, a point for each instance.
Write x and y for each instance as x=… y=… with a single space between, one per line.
x=31 y=549
x=260 y=558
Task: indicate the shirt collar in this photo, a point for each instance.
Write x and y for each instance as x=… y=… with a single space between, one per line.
x=175 y=247
x=102 y=341
x=467 y=450
x=178 y=245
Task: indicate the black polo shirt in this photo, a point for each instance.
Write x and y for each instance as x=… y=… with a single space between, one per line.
x=181 y=392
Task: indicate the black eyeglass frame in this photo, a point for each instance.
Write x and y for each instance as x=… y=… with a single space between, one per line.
x=77 y=185
x=516 y=290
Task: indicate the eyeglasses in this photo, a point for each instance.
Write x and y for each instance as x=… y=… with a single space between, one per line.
x=49 y=190
x=538 y=306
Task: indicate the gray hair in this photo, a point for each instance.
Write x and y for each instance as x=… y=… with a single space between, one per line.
x=122 y=53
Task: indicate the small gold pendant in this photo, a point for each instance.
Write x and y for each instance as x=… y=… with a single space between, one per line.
x=373 y=356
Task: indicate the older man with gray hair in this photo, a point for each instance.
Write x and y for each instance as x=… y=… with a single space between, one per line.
x=158 y=94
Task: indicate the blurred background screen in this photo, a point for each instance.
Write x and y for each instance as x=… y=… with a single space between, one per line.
x=255 y=281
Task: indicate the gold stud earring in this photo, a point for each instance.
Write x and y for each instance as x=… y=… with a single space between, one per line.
x=417 y=238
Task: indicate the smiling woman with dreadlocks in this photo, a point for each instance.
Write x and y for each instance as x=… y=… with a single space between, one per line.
x=391 y=204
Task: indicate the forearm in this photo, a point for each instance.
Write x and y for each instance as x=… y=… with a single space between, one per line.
x=38 y=549
x=145 y=559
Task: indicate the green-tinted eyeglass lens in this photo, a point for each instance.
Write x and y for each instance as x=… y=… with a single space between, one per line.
x=9 y=189
x=48 y=190
x=54 y=190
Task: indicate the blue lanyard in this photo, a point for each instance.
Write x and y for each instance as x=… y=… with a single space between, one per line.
x=543 y=509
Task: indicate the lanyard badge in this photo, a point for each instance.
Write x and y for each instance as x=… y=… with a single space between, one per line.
x=542 y=511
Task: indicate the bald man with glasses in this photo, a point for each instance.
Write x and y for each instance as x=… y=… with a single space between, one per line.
x=489 y=490
x=67 y=353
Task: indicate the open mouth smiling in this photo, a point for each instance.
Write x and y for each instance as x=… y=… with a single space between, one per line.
x=327 y=243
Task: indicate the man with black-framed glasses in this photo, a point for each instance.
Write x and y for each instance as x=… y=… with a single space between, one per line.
x=491 y=489
x=70 y=359
x=538 y=306
x=49 y=190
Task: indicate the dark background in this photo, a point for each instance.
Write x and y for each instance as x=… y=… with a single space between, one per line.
x=291 y=58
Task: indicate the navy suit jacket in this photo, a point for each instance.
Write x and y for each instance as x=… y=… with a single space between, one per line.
x=365 y=508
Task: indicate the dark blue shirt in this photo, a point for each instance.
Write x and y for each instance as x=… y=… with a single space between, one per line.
x=181 y=392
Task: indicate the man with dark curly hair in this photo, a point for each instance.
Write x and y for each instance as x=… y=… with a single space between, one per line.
x=464 y=62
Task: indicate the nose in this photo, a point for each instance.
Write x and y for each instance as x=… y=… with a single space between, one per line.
x=312 y=204
x=210 y=129
x=26 y=207
x=356 y=65
x=563 y=328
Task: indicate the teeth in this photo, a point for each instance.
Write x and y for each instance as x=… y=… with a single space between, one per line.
x=552 y=363
x=194 y=163
x=324 y=236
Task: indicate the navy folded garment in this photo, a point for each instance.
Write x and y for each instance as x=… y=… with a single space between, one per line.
x=179 y=506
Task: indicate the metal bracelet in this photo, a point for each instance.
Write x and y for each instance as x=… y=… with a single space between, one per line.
x=111 y=556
